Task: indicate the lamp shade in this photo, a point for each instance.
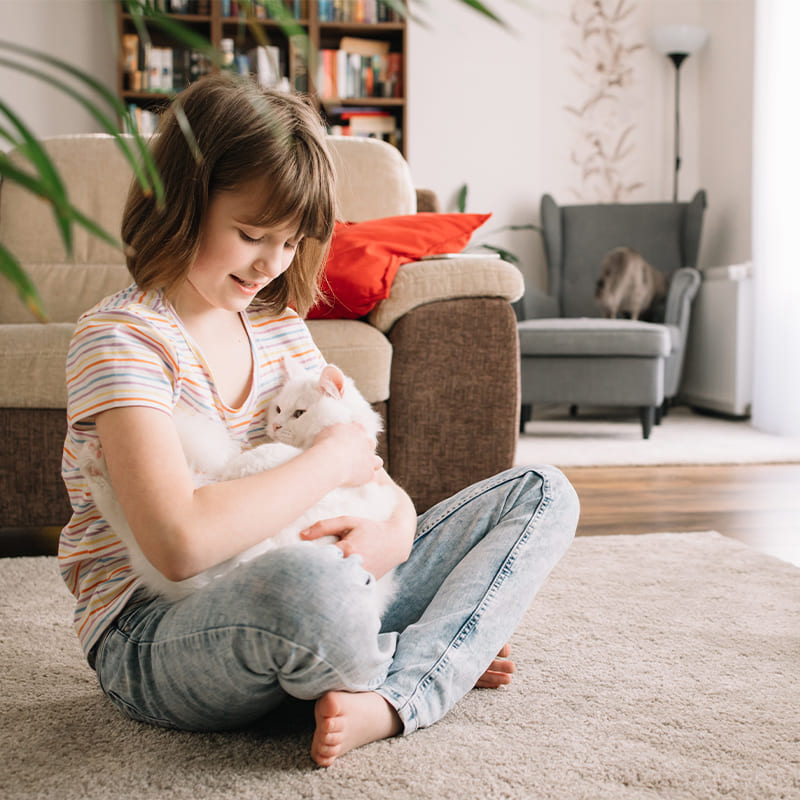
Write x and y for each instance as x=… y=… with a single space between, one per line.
x=684 y=39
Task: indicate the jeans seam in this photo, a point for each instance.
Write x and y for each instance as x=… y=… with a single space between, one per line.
x=406 y=707
x=230 y=629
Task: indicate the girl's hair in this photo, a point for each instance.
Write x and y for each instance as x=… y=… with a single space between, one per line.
x=241 y=133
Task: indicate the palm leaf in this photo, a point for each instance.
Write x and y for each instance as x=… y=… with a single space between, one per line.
x=11 y=269
x=506 y=255
x=154 y=181
x=49 y=184
x=461 y=198
x=485 y=10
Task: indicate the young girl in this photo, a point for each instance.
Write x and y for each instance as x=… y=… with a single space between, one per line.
x=238 y=242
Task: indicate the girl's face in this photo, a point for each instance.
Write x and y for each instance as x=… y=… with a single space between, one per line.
x=236 y=259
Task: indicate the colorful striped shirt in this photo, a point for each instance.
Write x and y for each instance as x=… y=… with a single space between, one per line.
x=132 y=350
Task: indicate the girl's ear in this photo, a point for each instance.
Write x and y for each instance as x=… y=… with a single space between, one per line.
x=331 y=381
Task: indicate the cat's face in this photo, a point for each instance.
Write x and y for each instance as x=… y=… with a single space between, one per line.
x=291 y=413
x=305 y=405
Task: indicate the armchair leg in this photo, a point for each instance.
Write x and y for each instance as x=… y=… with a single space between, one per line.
x=647 y=414
x=524 y=415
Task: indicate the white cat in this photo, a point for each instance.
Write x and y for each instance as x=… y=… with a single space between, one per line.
x=303 y=406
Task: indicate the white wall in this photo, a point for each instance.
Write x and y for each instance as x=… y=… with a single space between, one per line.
x=487 y=107
x=79 y=31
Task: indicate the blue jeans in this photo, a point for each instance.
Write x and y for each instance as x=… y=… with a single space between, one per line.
x=297 y=622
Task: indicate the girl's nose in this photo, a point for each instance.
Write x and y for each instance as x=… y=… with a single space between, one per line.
x=270 y=265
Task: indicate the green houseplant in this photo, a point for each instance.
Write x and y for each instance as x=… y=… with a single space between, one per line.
x=37 y=174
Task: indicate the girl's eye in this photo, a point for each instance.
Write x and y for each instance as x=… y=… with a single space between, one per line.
x=299 y=413
x=249 y=239
x=291 y=245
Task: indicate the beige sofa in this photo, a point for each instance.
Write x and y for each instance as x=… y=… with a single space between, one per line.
x=438 y=358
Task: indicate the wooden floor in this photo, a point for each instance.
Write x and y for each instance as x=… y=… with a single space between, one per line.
x=756 y=504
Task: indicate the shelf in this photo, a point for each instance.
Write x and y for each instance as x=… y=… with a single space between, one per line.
x=171 y=64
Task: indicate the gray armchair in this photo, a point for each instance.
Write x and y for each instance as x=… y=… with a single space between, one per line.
x=609 y=362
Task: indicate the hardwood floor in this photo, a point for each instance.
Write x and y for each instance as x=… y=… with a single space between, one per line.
x=756 y=504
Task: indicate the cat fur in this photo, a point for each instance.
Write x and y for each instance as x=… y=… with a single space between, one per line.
x=628 y=284
x=213 y=455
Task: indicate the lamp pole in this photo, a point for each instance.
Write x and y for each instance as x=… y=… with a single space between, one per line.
x=677 y=59
x=678 y=42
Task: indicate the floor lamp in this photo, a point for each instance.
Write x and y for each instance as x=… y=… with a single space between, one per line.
x=678 y=42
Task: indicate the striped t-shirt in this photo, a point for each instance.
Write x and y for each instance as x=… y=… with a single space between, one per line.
x=132 y=350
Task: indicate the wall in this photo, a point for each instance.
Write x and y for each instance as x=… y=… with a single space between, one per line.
x=489 y=107
x=79 y=31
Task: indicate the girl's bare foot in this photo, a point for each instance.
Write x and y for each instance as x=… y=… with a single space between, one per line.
x=499 y=672
x=346 y=720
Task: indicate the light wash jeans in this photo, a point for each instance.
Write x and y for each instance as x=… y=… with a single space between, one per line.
x=296 y=621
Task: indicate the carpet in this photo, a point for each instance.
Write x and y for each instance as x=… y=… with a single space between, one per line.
x=607 y=437
x=652 y=666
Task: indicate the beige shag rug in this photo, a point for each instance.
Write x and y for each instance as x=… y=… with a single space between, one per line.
x=610 y=437
x=652 y=666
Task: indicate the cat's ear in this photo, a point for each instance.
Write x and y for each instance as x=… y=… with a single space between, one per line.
x=331 y=381
x=289 y=369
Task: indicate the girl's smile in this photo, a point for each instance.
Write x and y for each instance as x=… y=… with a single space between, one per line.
x=236 y=257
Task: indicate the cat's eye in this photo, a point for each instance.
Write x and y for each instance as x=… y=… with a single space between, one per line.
x=277 y=409
x=299 y=413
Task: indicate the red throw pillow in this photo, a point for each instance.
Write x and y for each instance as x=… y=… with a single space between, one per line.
x=364 y=257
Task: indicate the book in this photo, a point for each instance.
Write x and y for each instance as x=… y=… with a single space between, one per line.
x=364 y=47
x=265 y=64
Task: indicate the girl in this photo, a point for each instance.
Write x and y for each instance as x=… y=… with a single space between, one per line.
x=248 y=215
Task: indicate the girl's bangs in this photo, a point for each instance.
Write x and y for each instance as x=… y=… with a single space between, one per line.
x=304 y=199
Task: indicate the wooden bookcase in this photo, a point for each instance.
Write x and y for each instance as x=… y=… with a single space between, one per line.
x=354 y=65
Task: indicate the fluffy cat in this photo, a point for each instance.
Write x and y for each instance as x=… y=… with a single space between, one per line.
x=628 y=284
x=303 y=406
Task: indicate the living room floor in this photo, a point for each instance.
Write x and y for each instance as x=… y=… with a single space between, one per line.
x=758 y=504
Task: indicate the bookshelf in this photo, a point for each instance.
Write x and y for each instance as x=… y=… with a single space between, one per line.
x=354 y=65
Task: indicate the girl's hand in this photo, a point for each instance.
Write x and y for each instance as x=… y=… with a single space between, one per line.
x=381 y=545
x=378 y=543
x=353 y=450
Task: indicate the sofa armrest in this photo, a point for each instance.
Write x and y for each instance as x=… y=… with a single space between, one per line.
x=683 y=287
x=454 y=403
x=421 y=282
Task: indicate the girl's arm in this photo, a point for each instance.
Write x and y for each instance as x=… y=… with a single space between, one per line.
x=382 y=545
x=182 y=530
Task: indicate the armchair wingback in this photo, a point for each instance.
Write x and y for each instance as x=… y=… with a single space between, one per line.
x=577 y=237
x=568 y=355
x=419 y=357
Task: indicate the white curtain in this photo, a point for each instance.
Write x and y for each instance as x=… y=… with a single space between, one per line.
x=776 y=217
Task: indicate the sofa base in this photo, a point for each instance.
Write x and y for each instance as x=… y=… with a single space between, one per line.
x=454 y=399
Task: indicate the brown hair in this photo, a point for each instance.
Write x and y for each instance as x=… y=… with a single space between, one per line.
x=242 y=133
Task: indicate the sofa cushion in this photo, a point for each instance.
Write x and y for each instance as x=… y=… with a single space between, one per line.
x=67 y=290
x=364 y=257
x=588 y=336
x=32 y=365
x=359 y=350
x=27 y=226
x=373 y=179
x=33 y=357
